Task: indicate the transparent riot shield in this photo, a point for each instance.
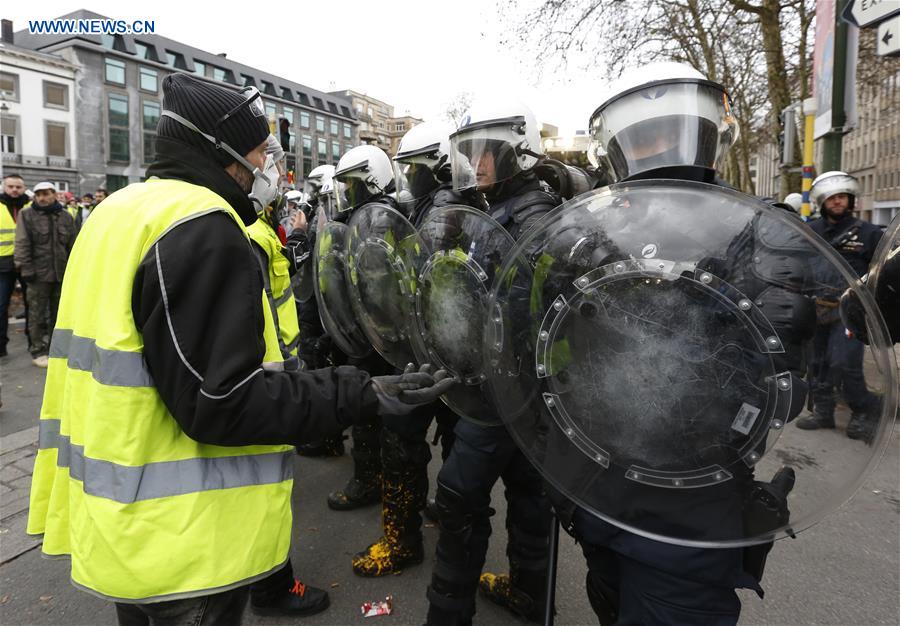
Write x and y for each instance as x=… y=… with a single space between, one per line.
x=383 y=254
x=332 y=293
x=885 y=268
x=467 y=248
x=648 y=349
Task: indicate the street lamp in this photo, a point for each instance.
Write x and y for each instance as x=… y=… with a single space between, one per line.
x=3 y=109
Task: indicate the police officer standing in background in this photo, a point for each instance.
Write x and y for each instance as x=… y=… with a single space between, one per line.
x=837 y=363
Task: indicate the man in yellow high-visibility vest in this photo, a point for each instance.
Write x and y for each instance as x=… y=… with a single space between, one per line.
x=165 y=461
x=12 y=200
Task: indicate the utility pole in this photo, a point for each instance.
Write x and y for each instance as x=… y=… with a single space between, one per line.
x=809 y=122
x=833 y=141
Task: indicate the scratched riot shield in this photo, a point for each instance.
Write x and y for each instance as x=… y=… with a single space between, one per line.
x=383 y=254
x=647 y=350
x=884 y=276
x=467 y=248
x=332 y=292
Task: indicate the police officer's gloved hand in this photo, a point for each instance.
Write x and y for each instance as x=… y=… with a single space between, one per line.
x=853 y=315
x=401 y=394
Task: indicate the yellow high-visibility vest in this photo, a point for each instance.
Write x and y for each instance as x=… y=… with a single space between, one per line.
x=146 y=513
x=278 y=305
x=7 y=232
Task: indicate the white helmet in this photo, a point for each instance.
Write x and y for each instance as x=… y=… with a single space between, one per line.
x=423 y=158
x=366 y=172
x=294 y=195
x=661 y=115
x=316 y=180
x=832 y=183
x=794 y=200
x=497 y=139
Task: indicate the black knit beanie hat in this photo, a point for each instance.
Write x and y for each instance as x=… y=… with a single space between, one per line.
x=204 y=104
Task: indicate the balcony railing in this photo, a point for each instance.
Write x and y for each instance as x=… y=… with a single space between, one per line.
x=14 y=158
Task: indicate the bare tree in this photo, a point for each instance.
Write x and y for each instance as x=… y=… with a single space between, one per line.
x=457 y=106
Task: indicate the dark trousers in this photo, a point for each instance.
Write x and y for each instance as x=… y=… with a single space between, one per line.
x=647 y=582
x=220 y=609
x=7 y=286
x=838 y=367
x=479 y=457
x=43 y=304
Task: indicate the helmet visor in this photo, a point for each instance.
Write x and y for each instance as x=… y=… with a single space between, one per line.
x=663 y=125
x=485 y=154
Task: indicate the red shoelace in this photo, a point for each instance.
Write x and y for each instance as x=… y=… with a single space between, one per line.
x=298 y=588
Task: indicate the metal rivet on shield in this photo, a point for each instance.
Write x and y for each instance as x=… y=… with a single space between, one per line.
x=541 y=369
x=718 y=476
x=756 y=259
x=754 y=457
x=619 y=267
x=705 y=278
x=745 y=304
x=599 y=458
x=634 y=475
x=661 y=266
x=482 y=276
x=784 y=384
x=582 y=282
x=551 y=402
x=678 y=482
x=544 y=335
x=772 y=341
x=558 y=305
x=570 y=432
x=777 y=424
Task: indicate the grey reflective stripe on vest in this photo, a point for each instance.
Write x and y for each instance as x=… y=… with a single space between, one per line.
x=127 y=484
x=267 y=284
x=6 y=243
x=108 y=367
x=7 y=231
x=285 y=297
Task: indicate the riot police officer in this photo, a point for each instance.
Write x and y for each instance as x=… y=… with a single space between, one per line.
x=363 y=175
x=494 y=151
x=838 y=358
x=667 y=121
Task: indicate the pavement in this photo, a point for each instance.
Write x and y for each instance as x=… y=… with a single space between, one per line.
x=844 y=570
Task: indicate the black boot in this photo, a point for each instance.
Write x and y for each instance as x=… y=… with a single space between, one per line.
x=364 y=489
x=861 y=426
x=522 y=592
x=282 y=594
x=404 y=488
x=816 y=421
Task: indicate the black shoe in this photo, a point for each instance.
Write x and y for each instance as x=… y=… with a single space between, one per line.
x=500 y=590
x=355 y=495
x=3 y=353
x=815 y=422
x=862 y=427
x=298 y=601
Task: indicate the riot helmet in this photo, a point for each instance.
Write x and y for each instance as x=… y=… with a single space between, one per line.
x=794 y=200
x=831 y=184
x=366 y=172
x=316 y=179
x=662 y=115
x=423 y=158
x=498 y=139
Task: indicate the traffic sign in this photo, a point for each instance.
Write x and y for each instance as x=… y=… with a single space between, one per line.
x=889 y=37
x=868 y=13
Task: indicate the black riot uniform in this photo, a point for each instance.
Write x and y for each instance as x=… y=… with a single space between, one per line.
x=405 y=453
x=838 y=358
x=481 y=455
x=635 y=580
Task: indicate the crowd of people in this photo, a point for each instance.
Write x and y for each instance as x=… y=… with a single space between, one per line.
x=193 y=353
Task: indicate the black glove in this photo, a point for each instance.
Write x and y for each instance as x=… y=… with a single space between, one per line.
x=854 y=316
x=401 y=394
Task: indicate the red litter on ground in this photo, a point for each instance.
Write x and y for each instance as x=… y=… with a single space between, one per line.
x=378 y=607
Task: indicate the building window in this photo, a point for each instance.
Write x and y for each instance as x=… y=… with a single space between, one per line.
x=148 y=80
x=270 y=111
x=115 y=71
x=288 y=114
x=8 y=132
x=173 y=59
x=307 y=146
x=318 y=102
x=248 y=80
x=9 y=86
x=143 y=50
x=151 y=119
x=334 y=127
x=219 y=74
x=56 y=96
x=114 y=182
x=307 y=166
x=118 y=128
x=108 y=41
x=336 y=151
x=320 y=124
x=400 y=127
x=323 y=151
x=304 y=119
x=56 y=139
x=199 y=68
x=348 y=132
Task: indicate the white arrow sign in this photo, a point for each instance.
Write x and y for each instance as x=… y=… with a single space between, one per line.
x=870 y=12
x=889 y=37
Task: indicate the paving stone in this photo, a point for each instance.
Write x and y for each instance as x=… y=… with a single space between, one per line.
x=9 y=473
